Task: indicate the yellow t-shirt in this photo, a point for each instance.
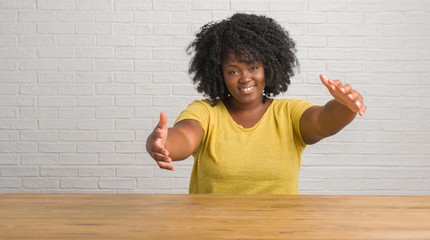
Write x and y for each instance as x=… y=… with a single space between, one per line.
x=263 y=159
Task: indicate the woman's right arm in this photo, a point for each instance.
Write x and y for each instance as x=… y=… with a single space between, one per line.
x=171 y=144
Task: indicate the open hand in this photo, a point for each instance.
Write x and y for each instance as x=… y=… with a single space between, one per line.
x=345 y=95
x=156 y=144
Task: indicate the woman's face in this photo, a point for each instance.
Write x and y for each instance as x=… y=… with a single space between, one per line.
x=244 y=81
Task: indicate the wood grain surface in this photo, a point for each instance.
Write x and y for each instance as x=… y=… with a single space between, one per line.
x=165 y=216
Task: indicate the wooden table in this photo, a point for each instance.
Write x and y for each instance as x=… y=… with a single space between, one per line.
x=152 y=216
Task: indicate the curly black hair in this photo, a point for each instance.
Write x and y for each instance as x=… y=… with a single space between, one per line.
x=251 y=38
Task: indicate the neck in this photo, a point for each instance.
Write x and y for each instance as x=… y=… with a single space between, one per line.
x=236 y=106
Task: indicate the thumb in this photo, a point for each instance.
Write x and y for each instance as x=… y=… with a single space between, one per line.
x=326 y=82
x=163 y=120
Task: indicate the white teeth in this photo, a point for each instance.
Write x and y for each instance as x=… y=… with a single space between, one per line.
x=247 y=89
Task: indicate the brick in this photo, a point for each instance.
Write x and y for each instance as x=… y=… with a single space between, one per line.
x=135 y=101
x=45 y=16
x=75 y=65
x=8 y=41
x=113 y=65
x=95 y=124
x=95 y=148
x=119 y=159
x=76 y=113
x=401 y=5
x=39 y=159
x=36 y=40
x=91 y=52
x=363 y=30
x=40 y=64
x=155 y=183
x=38 y=183
x=96 y=172
x=76 y=136
x=57 y=147
x=152 y=66
x=117 y=183
x=74 y=17
x=172 y=5
x=97 y=101
x=306 y=18
x=39 y=89
x=21 y=4
x=58 y=171
x=152 y=17
x=328 y=5
x=38 y=135
x=19 y=53
x=346 y=18
x=17 y=28
x=115 y=41
x=56 y=28
x=294 y=5
x=20 y=171
x=134 y=77
x=94 y=28
x=383 y=18
x=114 y=113
x=10 y=136
x=169 y=54
x=210 y=5
x=133 y=53
x=8 y=112
x=10 y=183
x=179 y=77
x=115 y=136
x=53 y=52
x=76 y=40
x=18 y=124
x=57 y=124
x=8 y=89
x=55 y=5
x=132 y=29
x=326 y=30
x=171 y=101
x=133 y=5
x=94 y=77
x=402 y=31
x=103 y=5
x=154 y=41
x=17 y=101
x=133 y=124
x=154 y=89
x=78 y=159
x=364 y=6
x=56 y=101
x=134 y=171
x=79 y=183
x=130 y=147
x=55 y=77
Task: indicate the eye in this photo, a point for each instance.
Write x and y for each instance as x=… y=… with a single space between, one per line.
x=254 y=68
x=233 y=72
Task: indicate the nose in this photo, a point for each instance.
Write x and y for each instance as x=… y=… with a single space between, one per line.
x=246 y=77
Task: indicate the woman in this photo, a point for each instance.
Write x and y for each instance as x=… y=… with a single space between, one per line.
x=244 y=141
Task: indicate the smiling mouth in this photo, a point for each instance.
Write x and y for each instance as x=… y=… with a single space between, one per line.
x=247 y=90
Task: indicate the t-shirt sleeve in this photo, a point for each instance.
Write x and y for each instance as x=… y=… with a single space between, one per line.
x=297 y=108
x=198 y=110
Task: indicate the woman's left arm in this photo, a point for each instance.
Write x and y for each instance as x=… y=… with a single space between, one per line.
x=320 y=122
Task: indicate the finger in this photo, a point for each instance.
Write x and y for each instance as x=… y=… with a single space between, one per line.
x=327 y=83
x=362 y=110
x=163 y=120
x=164 y=165
x=161 y=157
x=347 y=89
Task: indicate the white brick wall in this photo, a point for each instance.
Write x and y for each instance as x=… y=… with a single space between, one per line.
x=82 y=84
